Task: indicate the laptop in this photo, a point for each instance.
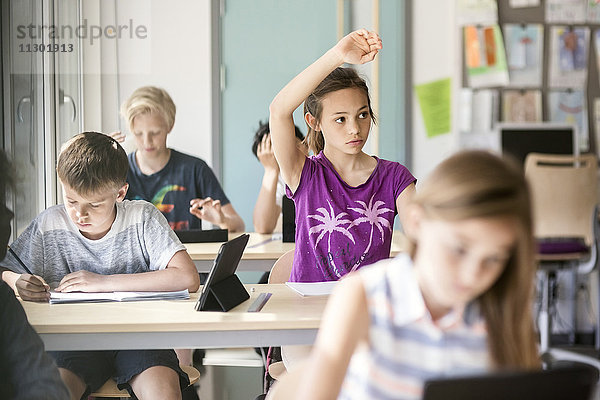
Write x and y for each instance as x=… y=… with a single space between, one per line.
x=564 y=383
x=202 y=235
x=223 y=290
x=288 y=210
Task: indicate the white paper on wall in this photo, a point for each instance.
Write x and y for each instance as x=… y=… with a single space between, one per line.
x=570 y=106
x=524 y=53
x=473 y=12
x=523 y=3
x=522 y=106
x=566 y=11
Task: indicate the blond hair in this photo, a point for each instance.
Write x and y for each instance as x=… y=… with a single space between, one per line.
x=477 y=184
x=92 y=163
x=149 y=100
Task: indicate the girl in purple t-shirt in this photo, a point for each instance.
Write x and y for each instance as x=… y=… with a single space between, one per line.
x=346 y=200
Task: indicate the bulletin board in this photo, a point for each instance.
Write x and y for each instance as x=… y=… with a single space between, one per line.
x=537 y=15
x=506 y=14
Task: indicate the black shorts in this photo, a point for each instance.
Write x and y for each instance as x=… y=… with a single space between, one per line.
x=96 y=367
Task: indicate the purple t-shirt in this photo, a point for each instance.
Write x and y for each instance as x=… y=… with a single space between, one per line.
x=340 y=228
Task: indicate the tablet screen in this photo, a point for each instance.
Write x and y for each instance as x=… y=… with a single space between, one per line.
x=224 y=266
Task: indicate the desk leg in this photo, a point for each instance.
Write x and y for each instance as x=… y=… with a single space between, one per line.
x=573 y=295
x=544 y=323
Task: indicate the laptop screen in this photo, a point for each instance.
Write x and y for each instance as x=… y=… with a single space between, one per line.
x=574 y=382
x=520 y=140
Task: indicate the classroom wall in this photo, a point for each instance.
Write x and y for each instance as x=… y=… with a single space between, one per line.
x=174 y=56
x=435 y=55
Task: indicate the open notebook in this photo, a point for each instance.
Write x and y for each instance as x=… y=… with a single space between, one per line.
x=81 y=297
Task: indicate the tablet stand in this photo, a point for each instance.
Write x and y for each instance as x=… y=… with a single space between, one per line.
x=225 y=295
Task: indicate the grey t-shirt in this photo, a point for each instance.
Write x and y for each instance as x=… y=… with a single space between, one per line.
x=140 y=240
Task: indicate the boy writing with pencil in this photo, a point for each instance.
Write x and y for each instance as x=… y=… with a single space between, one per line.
x=98 y=242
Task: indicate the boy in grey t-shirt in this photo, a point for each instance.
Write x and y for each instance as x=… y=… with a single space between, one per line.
x=96 y=242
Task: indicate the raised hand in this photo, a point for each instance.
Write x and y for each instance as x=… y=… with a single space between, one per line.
x=208 y=210
x=359 y=47
x=32 y=288
x=118 y=136
x=83 y=281
x=265 y=154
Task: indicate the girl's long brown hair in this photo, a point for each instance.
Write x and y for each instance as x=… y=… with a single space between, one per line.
x=477 y=184
x=340 y=78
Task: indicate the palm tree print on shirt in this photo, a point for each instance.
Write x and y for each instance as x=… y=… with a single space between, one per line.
x=329 y=223
x=371 y=214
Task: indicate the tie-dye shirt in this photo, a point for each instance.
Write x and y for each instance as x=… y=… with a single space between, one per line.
x=183 y=178
x=406 y=346
x=340 y=228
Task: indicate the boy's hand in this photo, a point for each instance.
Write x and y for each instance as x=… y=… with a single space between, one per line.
x=32 y=288
x=83 y=281
x=118 y=136
x=359 y=47
x=265 y=154
x=208 y=210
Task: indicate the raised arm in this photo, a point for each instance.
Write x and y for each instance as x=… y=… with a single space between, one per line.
x=266 y=210
x=357 y=47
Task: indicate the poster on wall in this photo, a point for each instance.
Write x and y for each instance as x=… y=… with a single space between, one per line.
x=522 y=106
x=569 y=106
x=524 y=53
x=485 y=58
x=434 y=101
x=566 y=11
x=473 y=12
x=568 y=56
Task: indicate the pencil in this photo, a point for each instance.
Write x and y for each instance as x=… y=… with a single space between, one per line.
x=19 y=260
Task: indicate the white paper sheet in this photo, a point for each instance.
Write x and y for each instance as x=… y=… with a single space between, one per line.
x=81 y=297
x=312 y=288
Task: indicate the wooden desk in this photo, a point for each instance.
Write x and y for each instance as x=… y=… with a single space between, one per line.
x=262 y=251
x=287 y=318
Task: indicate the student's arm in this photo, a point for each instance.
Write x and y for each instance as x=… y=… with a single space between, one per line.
x=358 y=47
x=28 y=287
x=212 y=211
x=266 y=210
x=344 y=325
x=402 y=202
x=179 y=274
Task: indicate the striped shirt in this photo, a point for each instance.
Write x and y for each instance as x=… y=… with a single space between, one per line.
x=406 y=347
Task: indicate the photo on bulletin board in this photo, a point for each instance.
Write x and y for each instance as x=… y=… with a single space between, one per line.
x=522 y=106
x=566 y=11
x=485 y=58
x=524 y=53
x=570 y=106
x=568 y=57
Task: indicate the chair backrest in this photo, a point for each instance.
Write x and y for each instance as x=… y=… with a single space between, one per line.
x=564 y=194
x=281 y=270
